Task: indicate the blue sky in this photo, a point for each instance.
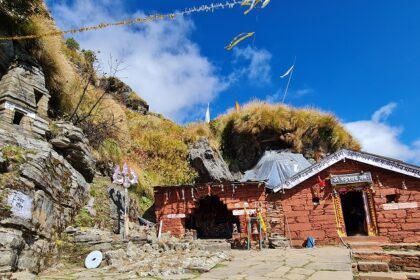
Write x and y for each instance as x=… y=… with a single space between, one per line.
x=353 y=58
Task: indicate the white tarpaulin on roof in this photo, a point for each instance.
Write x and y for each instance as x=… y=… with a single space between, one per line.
x=275 y=167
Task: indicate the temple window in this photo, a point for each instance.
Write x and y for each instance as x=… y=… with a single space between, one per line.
x=38 y=96
x=391 y=198
x=17 y=119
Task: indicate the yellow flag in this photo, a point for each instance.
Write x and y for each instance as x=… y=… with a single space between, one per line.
x=262 y=223
x=237 y=107
x=239 y=39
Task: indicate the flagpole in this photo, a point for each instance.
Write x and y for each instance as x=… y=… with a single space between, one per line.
x=288 y=82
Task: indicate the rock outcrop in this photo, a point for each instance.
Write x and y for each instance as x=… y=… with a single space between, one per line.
x=70 y=142
x=124 y=94
x=42 y=193
x=208 y=162
x=143 y=255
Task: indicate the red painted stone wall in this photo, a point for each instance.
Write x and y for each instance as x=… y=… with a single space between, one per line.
x=169 y=200
x=301 y=218
x=296 y=209
x=306 y=219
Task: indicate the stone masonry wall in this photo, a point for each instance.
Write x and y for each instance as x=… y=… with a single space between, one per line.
x=306 y=219
x=301 y=218
x=170 y=200
x=400 y=225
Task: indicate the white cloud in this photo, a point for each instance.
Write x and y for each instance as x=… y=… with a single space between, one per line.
x=163 y=65
x=258 y=70
x=378 y=137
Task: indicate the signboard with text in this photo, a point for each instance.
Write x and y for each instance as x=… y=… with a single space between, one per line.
x=351 y=178
x=241 y=212
x=21 y=204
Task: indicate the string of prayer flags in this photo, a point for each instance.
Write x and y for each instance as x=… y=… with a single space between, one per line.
x=188 y=11
x=252 y=5
x=239 y=39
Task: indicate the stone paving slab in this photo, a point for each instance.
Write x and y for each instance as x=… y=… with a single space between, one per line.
x=322 y=263
x=289 y=264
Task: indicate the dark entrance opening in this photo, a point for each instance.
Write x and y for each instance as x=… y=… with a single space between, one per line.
x=354 y=213
x=17 y=118
x=38 y=96
x=212 y=219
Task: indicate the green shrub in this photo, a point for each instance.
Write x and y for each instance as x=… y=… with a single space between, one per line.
x=72 y=44
x=83 y=219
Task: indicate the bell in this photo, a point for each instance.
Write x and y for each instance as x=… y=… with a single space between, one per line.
x=254 y=229
x=235 y=228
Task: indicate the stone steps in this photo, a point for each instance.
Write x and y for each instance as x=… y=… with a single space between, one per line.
x=376 y=246
x=388 y=256
x=402 y=246
x=378 y=239
x=383 y=261
x=372 y=266
x=388 y=276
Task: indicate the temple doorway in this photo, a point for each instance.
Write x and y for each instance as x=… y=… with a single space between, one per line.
x=212 y=220
x=354 y=213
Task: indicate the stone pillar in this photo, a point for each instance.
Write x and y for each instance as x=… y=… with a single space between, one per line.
x=42 y=106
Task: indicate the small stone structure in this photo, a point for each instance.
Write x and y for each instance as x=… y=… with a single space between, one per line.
x=210 y=209
x=24 y=100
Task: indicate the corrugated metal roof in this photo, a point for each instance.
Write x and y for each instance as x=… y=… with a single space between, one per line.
x=275 y=167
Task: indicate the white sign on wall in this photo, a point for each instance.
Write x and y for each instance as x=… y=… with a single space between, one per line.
x=241 y=212
x=397 y=206
x=175 y=216
x=21 y=204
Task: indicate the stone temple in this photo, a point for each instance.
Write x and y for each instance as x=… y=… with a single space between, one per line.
x=24 y=100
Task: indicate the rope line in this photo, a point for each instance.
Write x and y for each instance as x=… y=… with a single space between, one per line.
x=204 y=8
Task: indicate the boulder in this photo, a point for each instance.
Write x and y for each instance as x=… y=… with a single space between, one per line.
x=70 y=142
x=208 y=162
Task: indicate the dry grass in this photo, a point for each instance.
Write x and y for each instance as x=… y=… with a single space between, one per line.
x=194 y=131
x=259 y=126
x=61 y=77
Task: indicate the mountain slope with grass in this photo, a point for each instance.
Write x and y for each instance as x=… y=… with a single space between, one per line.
x=119 y=127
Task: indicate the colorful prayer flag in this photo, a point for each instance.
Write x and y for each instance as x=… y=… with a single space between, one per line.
x=237 y=107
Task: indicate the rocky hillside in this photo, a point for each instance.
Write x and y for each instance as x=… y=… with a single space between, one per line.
x=63 y=129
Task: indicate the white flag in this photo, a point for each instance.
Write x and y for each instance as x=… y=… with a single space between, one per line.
x=288 y=72
x=265 y=3
x=208 y=113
